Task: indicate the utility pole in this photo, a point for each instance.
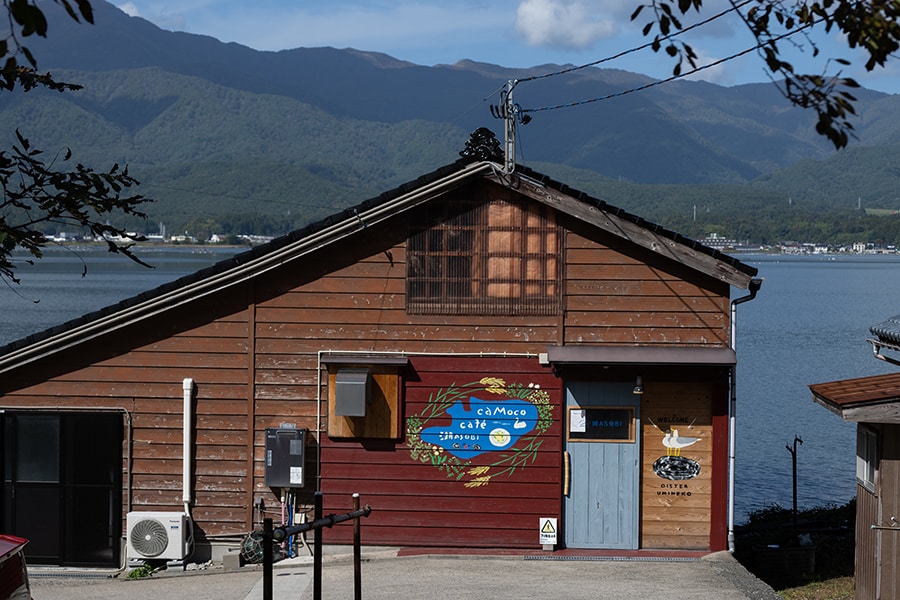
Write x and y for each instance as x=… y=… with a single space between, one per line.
x=509 y=134
x=510 y=112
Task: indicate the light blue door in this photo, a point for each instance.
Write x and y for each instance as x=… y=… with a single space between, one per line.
x=602 y=506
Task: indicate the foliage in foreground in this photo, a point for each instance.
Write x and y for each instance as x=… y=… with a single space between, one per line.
x=145 y=570
x=33 y=192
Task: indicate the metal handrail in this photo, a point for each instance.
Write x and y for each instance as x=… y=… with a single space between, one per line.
x=280 y=534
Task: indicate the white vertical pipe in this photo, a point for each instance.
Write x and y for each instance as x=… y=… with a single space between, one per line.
x=753 y=288
x=187 y=387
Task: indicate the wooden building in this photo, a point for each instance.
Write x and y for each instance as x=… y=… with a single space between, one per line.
x=873 y=403
x=480 y=355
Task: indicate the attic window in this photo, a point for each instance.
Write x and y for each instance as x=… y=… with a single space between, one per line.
x=495 y=258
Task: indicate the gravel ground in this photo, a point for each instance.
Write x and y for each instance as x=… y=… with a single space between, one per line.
x=717 y=577
x=389 y=577
x=208 y=585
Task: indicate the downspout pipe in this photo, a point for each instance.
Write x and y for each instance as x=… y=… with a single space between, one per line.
x=753 y=289
x=876 y=351
x=187 y=387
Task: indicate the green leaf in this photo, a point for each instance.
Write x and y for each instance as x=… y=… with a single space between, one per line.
x=28 y=56
x=87 y=11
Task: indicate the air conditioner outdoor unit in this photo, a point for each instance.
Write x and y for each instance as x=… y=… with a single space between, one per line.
x=158 y=535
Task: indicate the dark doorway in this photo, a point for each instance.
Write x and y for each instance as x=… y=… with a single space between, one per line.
x=62 y=486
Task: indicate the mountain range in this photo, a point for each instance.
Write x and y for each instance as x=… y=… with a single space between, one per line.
x=224 y=136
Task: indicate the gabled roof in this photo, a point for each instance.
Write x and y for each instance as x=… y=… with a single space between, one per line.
x=478 y=161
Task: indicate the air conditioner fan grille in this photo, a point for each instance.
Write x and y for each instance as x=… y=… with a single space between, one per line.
x=149 y=537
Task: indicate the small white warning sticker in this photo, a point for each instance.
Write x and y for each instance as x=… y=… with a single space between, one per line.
x=548 y=531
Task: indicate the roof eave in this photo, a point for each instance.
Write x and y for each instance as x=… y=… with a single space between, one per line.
x=634 y=229
x=885 y=409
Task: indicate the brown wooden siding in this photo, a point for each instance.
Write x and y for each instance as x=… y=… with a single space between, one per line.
x=147 y=382
x=866 y=568
x=613 y=297
x=676 y=514
x=889 y=497
x=416 y=503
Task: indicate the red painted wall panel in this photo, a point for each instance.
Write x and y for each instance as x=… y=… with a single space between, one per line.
x=489 y=500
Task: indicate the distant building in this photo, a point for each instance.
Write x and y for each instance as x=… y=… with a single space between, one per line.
x=714 y=240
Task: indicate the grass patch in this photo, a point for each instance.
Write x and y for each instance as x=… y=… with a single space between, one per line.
x=839 y=588
x=145 y=570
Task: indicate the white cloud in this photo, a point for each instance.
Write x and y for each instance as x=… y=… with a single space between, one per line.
x=157 y=13
x=569 y=24
x=129 y=8
x=720 y=74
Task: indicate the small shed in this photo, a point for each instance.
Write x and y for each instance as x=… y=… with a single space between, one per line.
x=489 y=358
x=873 y=403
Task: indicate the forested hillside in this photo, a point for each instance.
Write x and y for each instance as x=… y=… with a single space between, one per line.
x=231 y=140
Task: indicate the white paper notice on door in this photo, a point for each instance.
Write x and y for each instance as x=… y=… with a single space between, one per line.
x=577 y=421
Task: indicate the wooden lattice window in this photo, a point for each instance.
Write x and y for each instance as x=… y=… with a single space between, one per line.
x=500 y=257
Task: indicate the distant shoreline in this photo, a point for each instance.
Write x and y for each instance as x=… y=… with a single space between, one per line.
x=140 y=247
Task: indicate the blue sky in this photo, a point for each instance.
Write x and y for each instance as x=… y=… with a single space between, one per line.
x=510 y=33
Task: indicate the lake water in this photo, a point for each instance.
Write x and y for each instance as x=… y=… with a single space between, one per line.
x=53 y=291
x=808 y=324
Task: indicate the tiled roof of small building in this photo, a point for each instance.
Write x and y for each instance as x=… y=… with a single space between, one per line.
x=888 y=332
x=859 y=391
x=874 y=399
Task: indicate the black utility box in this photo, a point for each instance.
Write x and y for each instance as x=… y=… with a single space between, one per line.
x=285 y=453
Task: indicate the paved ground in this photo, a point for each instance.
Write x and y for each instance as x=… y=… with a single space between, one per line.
x=386 y=576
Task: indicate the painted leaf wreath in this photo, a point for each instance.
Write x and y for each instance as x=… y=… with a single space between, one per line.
x=517 y=456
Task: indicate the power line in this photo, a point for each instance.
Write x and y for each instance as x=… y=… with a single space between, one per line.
x=734 y=8
x=673 y=77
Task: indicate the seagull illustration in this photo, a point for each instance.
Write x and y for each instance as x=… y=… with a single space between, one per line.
x=674 y=443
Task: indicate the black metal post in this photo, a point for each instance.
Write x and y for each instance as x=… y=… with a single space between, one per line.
x=793 y=452
x=267 y=558
x=357 y=553
x=282 y=533
x=317 y=549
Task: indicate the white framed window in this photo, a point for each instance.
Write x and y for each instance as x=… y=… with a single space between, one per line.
x=866 y=456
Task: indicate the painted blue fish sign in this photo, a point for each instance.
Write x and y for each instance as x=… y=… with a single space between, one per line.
x=483 y=426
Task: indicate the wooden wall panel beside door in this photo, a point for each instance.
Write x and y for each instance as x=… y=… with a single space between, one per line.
x=676 y=490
